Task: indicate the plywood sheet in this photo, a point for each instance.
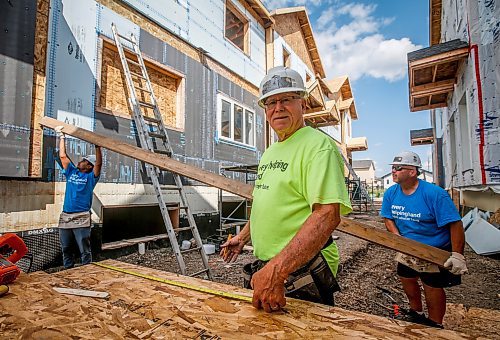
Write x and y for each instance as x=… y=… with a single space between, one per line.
x=141 y=308
x=114 y=95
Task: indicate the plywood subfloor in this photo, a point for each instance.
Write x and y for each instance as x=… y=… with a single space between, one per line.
x=140 y=309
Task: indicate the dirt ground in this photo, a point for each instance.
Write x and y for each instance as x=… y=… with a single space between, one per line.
x=366 y=275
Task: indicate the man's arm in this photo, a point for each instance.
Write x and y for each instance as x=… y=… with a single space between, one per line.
x=268 y=282
x=232 y=248
x=457 y=236
x=456 y=263
x=98 y=161
x=391 y=226
x=62 y=150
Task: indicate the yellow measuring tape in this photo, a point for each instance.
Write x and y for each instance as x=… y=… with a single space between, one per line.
x=177 y=284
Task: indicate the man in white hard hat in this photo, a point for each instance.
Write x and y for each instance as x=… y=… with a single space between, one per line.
x=298 y=197
x=74 y=222
x=425 y=213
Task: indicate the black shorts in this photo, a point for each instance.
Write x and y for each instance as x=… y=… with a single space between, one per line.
x=443 y=279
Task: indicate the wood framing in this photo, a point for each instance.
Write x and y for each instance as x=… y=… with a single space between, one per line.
x=236 y=27
x=432 y=73
x=142 y=308
x=348 y=226
x=39 y=86
x=422 y=137
x=294 y=26
x=327 y=117
x=435 y=10
x=357 y=144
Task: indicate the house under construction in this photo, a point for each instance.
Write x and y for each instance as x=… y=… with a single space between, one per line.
x=205 y=60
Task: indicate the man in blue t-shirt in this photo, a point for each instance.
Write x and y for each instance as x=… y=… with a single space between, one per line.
x=425 y=213
x=74 y=222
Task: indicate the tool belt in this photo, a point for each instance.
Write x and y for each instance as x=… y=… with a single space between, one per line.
x=312 y=282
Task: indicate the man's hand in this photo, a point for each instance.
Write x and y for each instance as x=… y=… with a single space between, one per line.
x=58 y=129
x=232 y=248
x=456 y=264
x=268 y=289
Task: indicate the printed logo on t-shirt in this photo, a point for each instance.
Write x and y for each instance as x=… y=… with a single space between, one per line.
x=276 y=165
x=77 y=180
x=399 y=212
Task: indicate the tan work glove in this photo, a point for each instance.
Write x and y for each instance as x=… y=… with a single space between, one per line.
x=58 y=130
x=456 y=264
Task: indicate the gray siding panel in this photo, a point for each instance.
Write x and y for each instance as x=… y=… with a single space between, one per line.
x=17 y=38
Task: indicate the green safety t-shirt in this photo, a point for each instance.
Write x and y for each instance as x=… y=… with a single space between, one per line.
x=294 y=174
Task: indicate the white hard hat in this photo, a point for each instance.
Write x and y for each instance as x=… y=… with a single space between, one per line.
x=90 y=159
x=281 y=79
x=407 y=158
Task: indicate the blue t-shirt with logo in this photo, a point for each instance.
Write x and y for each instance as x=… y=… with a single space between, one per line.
x=79 y=187
x=423 y=215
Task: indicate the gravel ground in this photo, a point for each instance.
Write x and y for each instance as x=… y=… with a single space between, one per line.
x=365 y=271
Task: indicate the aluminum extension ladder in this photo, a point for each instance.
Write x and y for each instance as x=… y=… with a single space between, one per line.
x=149 y=130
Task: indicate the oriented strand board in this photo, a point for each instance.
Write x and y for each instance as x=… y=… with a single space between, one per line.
x=141 y=308
x=288 y=26
x=114 y=94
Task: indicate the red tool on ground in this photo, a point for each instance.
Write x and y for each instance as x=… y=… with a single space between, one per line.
x=13 y=245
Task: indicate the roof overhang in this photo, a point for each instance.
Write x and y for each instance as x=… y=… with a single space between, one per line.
x=327 y=117
x=422 y=137
x=340 y=84
x=348 y=105
x=432 y=73
x=357 y=144
x=315 y=100
x=259 y=11
x=307 y=33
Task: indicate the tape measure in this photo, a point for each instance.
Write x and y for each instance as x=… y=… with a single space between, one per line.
x=178 y=284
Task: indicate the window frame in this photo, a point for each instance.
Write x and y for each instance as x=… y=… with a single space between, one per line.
x=229 y=6
x=231 y=139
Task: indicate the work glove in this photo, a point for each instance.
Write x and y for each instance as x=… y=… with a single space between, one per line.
x=58 y=130
x=456 y=264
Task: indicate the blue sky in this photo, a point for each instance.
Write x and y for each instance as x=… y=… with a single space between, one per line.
x=368 y=41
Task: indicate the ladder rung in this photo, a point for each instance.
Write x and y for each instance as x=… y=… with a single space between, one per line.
x=156 y=135
x=137 y=75
x=133 y=62
x=190 y=250
x=198 y=273
x=183 y=229
x=185 y=208
x=142 y=89
x=125 y=38
x=151 y=119
x=151 y=106
x=169 y=187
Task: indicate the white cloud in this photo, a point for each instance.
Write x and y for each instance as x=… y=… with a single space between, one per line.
x=358 y=48
x=325 y=19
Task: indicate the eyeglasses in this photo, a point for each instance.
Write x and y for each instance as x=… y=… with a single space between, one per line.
x=271 y=104
x=399 y=168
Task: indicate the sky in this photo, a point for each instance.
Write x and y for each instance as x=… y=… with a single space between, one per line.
x=368 y=41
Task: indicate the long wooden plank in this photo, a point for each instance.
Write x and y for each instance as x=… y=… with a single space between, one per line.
x=161 y=161
x=351 y=227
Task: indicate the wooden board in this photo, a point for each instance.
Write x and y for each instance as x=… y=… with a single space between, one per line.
x=348 y=226
x=140 y=309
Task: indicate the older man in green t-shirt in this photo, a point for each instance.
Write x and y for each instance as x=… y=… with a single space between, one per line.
x=299 y=195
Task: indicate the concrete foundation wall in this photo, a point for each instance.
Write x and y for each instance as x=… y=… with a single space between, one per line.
x=30 y=205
